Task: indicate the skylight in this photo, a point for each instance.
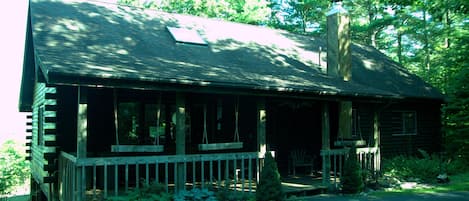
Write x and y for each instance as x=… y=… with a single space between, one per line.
x=188 y=36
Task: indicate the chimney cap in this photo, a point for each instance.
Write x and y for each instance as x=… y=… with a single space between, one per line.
x=336 y=8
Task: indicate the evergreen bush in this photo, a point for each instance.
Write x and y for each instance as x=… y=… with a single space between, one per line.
x=270 y=186
x=352 y=180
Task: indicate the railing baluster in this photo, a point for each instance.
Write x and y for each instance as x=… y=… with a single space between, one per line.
x=227 y=167
x=242 y=173
x=250 y=174
x=83 y=182
x=116 y=180
x=126 y=177
x=157 y=172
x=335 y=170
x=147 y=173
x=94 y=181
x=185 y=174
x=211 y=173
x=175 y=170
x=194 y=175
x=235 y=174
x=166 y=175
x=105 y=180
x=258 y=170
x=219 y=172
x=137 y=177
x=202 y=175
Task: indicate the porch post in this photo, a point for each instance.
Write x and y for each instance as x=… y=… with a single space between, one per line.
x=326 y=144
x=377 y=139
x=180 y=139
x=261 y=138
x=82 y=134
x=261 y=118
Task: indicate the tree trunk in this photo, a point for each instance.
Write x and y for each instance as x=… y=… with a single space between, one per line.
x=399 y=47
x=426 y=41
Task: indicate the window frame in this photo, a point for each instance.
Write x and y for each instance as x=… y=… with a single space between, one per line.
x=403 y=128
x=40 y=125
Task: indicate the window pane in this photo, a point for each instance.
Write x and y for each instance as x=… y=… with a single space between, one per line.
x=128 y=123
x=409 y=121
x=155 y=131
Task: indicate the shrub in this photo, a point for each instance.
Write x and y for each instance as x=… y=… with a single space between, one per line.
x=351 y=180
x=14 y=169
x=270 y=186
x=153 y=192
x=229 y=195
x=196 y=195
x=423 y=168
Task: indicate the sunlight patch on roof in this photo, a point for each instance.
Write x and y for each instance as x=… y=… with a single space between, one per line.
x=188 y=36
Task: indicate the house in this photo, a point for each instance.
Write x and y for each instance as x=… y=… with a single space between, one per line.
x=119 y=95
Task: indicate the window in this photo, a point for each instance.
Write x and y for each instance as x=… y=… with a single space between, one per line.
x=406 y=123
x=188 y=36
x=40 y=126
x=137 y=123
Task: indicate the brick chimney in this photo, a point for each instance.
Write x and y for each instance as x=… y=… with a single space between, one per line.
x=338 y=42
x=339 y=62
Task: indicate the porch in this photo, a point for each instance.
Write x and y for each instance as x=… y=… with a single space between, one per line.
x=98 y=178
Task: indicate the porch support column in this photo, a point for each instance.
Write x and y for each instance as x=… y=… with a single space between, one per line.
x=377 y=140
x=326 y=144
x=82 y=123
x=180 y=139
x=82 y=135
x=261 y=136
x=261 y=118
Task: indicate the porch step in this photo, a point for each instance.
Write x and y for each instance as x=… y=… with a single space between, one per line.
x=302 y=186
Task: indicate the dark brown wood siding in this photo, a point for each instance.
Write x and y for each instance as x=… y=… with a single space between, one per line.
x=43 y=145
x=67 y=106
x=428 y=136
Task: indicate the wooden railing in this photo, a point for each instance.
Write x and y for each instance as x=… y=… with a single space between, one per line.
x=369 y=159
x=99 y=178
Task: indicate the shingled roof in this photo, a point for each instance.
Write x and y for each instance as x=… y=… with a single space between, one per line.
x=77 y=42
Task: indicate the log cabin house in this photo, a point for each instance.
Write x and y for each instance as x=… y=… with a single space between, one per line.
x=119 y=95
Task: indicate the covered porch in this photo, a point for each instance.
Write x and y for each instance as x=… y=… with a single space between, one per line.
x=181 y=141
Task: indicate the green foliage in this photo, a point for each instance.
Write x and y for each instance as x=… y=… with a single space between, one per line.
x=14 y=169
x=249 y=12
x=196 y=195
x=270 y=186
x=229 y=195
x=152 y=192
x=351 y=180
x=424 y=168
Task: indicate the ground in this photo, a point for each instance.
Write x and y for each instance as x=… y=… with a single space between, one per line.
x=449 y=196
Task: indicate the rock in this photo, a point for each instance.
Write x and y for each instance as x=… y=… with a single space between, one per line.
x=442 y=178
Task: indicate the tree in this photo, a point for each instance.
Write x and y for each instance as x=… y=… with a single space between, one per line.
x=14 y=169
x=250 y=12
x=351 y=180
x=270 y=186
